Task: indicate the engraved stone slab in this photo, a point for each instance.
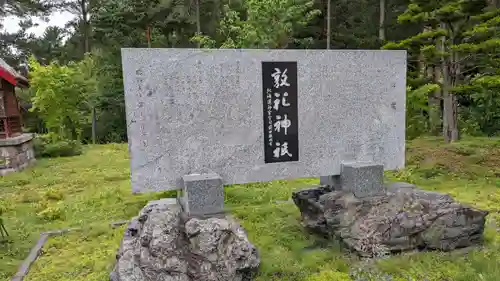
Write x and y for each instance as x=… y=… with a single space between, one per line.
x=201 y=111
x=363 y=179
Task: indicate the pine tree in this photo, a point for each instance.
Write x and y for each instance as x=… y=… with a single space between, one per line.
x=441 y=46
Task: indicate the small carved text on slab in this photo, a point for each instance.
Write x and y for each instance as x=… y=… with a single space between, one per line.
x=281 y=138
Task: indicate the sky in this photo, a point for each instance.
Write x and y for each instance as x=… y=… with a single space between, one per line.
x=56 y=19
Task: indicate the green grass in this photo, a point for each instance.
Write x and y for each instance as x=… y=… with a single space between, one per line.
x=93 y=190
x=85 y=255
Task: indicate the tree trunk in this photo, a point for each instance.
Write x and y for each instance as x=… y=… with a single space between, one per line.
x=450 y=128
x=435 y=103
x=422 y=66
x=148 y=36
x=455 y=81
x=381 y=30
x=198 y=20
x=93 y=125
x=86 y=26
x=447 y=105
x=433 y=74
x=328 y=24
x=450 y=102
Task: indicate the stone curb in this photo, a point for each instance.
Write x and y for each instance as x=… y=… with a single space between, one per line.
x=34 y=253
x=37 y=249
x=17 y=140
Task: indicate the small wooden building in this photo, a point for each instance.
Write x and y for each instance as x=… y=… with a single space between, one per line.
x=10 y=111
x=16 y=148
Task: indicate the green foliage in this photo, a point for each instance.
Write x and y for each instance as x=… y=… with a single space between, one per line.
x=417 y=40
x=110 y=106
x=267 y=24
x=482 y=118
x=2 y=207
x=51 y=213
x=64 y=96
x=23 y=7
x=234 y=24
x=417 y=110
x=62 y=148
x=54 y=194
x=459 y=37
x=120 y=23
x=448 y=23
x=51 y=145
x=3 y=230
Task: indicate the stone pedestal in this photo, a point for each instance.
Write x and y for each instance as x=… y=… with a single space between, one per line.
x=202 y=194
x=160 y=244
x=331 y=181
x=364 y=179
x=16 y=153
x=403 y=218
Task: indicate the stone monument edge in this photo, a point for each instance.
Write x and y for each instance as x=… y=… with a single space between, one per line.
x=130 y=55
x=124 y=54
x=129 y=51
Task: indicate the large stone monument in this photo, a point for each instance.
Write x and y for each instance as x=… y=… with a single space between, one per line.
x=199 y=119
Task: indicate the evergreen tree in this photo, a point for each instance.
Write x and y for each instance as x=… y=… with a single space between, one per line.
x=440 y=45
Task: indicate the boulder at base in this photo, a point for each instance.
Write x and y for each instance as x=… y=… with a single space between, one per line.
x=404 y=218
x=161 y=244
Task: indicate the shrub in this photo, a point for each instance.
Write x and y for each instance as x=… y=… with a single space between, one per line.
x=52 y=213
x=50 y=145
x=54 y=194
x=62 y=149
x=418 y=110
x=29 y=196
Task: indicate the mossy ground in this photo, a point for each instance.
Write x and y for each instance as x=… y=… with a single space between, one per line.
x=93 y=190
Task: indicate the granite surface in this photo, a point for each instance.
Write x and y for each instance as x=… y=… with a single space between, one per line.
x=200 y=111
x=331 y=181
x=202 y=194
x=16 y=154
x=16 y=140
x=362 y=179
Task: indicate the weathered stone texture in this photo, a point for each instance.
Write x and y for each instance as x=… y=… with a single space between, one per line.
x=162 y=244
x=16 y=155
x=201 y=111
x=404 y=218
x=202 y=194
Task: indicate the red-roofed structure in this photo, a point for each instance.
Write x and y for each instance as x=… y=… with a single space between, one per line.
x=16 y=148
x=10 y=112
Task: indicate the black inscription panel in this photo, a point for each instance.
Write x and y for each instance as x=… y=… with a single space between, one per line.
x=281 y=136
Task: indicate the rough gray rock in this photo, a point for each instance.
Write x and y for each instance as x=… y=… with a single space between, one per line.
x=163 y=245
x=405 y=218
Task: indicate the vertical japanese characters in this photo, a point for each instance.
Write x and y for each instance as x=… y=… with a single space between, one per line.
x=279 y=80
